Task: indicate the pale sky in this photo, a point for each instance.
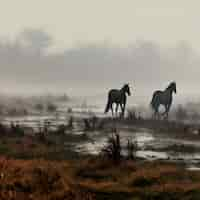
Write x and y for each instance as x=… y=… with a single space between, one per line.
x=121 y=22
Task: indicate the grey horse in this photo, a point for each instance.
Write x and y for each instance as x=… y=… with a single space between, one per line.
x=163 y=98
x=119 y=98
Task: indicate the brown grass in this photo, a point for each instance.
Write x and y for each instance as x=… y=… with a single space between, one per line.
x=142 y=180
x=38 y=179
x=95 y=179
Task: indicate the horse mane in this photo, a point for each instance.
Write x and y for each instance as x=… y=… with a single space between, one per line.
x=123 y=87
x=170 y=85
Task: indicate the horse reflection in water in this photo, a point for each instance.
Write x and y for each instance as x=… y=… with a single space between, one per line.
x=119 y=98
x=163 y=98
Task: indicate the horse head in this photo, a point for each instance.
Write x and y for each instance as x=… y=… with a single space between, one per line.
x=172 y=87
x=126 y=89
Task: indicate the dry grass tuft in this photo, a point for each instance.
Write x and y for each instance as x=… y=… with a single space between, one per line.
x=94 y=178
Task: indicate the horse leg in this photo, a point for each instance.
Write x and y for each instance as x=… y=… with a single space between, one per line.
x=167 y=110
x=111 y=106
x=116 y=109
x=165 y=113
x=122 y=109
x=156 y=113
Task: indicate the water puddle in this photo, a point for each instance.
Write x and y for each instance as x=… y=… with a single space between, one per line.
x=144 y=140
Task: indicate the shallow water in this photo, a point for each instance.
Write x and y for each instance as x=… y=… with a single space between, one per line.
x=144 y=137
x=61 y=116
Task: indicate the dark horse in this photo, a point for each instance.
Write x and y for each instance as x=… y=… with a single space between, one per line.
x=119 y=98
x=163 y=98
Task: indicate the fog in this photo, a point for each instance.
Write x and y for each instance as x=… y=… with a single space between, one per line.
x=28 y=65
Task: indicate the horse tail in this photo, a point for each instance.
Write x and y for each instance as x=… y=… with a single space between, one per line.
x=108 y=106
x=154 y=101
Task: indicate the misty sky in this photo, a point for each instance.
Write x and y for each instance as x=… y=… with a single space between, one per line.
x=71 y=22
x=98 y=44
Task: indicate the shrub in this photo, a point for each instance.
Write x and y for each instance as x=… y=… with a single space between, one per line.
x=51 y=107
x=61 y=129
x=39 y=107
x=70 y=123
x=69 y=110
x=143 y=181
x=131 y=149
x=112 y=150
x=12 y=111
x=91 y=123
x=87 y=126
x=195 y=115
x=131 y=114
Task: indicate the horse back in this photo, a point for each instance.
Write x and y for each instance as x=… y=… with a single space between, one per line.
x=115 y=96
x=157 y=92
x=163 y=97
